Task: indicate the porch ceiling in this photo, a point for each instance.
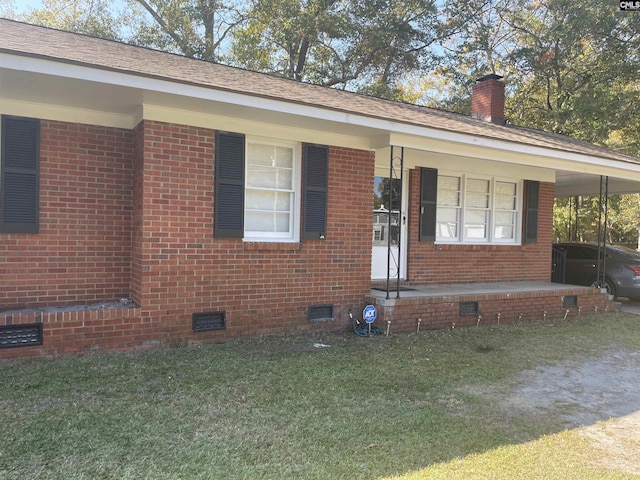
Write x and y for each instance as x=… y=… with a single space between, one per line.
x=576 y=183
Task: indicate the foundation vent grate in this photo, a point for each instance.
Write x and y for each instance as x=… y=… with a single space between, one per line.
x=20 y=335
x=320 y=313
x=468 y=308
x=208 y=321
x=570 y=301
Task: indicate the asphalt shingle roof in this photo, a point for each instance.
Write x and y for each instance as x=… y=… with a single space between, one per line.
x=34 y=41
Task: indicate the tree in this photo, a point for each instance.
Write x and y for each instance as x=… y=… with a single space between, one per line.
x=569 y=65
x=577 y=219
x=572 y=79
x=364 y=45
x=195 y=28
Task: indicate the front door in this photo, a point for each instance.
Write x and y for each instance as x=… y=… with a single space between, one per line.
x=389 y=238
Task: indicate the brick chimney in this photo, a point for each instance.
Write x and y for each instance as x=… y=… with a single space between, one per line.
x=487 y=99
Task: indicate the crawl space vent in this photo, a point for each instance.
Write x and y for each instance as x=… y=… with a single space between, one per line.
x=205 y=322
x=20 y=335
x=468 y=308
x=320 y=313
x=570 y=301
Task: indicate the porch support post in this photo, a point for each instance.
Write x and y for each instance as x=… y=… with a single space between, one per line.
x=396 y=172
x=603 y=210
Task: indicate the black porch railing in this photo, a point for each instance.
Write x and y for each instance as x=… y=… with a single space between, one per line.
x=558 y=265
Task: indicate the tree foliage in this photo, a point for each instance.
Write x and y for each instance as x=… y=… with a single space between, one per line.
x=90 y=17
x=580 y=219
x=195 y=28
x=364 y=45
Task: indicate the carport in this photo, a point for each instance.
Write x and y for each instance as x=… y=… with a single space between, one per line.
x=573 y=184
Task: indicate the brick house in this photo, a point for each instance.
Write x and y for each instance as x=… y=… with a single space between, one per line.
x=149 y=199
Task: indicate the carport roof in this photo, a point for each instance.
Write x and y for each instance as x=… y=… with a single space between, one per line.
x=31 y=41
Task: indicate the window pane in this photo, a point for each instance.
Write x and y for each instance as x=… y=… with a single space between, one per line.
x=476 y=231
x=477 y=193
x=284 y=157
x=285 y=179
x=282 y=222
x=266 y=200
x=258 y=222
x=476 y=217
x=505 y=196
x=503 y=232
x=475 y=185
x=382 y=187
x=267 y=222
x=505 y=218
x=447 y=222
x=259 y=199
x=506 y=188
x=261 y=177
x=449 y=198
x=506 y=203
x=449 y=191
x=261 y=155
x=476 y=224
x=283 y=201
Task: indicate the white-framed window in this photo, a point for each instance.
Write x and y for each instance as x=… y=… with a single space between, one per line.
x=478 y=209
x=272 y=190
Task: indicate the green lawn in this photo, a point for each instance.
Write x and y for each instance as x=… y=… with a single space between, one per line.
x=364 y=408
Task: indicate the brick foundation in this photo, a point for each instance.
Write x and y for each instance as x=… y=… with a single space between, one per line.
x=444 y=311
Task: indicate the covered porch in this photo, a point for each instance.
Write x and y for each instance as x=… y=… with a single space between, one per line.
x=411 y=299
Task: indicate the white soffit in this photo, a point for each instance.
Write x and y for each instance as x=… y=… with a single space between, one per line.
x=569 y=184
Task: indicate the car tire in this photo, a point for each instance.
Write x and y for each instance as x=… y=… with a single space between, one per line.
x=609 y=286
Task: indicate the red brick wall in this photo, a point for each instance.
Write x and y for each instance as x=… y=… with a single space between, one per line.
x=264 y=288
x=431 y=263
x=83 y=250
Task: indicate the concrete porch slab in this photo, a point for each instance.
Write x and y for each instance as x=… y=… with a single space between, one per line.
x=475 y=289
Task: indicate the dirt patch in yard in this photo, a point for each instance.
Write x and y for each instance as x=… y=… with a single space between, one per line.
x=600 y=397
x=583 y=391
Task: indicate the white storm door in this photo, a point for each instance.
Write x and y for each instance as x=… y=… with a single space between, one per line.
x=389 y=239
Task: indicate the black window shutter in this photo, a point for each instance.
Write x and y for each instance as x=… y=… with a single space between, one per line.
x=316 y=181
x=428 y=204
x=229 y=185
x=20 y=177
x=532 y=193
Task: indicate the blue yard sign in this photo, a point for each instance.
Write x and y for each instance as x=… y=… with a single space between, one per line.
x=369 y=314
